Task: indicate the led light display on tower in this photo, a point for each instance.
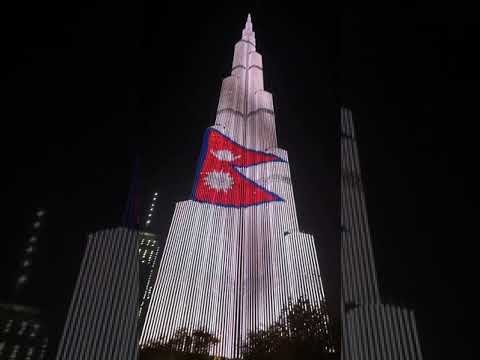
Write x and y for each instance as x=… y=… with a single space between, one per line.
x=234 y=253
x=220 y=180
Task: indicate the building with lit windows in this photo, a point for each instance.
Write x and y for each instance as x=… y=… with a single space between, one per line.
x=115 y=285
x=23 y=331
x=149 y=247
x=234 y=253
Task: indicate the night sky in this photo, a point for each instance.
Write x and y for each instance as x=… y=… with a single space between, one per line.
x=88 y=86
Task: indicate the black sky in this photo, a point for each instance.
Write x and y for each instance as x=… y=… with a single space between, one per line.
x=86 y=86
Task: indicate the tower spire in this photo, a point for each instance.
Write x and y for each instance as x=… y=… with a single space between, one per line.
x=248 y=24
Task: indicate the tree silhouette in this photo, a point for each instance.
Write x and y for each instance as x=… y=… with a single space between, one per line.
x=302 y=331
x=184 y=345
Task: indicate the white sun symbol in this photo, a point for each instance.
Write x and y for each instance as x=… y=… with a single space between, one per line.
x=225 y=155
x=219 y=180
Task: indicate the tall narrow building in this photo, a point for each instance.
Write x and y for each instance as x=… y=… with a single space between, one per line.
x=234 y=254
x=102 y=319
x=150 y=246
x=370 y=329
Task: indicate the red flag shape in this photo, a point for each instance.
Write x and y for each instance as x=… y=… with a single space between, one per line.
x=218 y=180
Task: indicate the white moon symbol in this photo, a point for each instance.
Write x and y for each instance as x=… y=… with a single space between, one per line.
x=225 y=155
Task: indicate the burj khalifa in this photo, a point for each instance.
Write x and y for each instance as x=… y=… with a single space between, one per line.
x=234 y=254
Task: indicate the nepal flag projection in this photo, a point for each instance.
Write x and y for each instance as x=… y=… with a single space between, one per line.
x=218 y=180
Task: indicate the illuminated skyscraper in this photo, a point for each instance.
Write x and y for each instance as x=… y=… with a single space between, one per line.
x=113 y=287
x=370 y=329
x=234 y=253
x=103 y=315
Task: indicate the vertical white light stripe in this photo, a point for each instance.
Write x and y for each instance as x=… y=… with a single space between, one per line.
x=102 y=321
x=415 y=336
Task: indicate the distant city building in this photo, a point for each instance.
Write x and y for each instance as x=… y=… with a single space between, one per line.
x=23 y=332
x=103 y=315
x=149 y=247
x=371 y=330
x=149 y=252
x=115 y=297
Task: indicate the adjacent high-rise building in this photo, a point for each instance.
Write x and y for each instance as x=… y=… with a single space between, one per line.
x=149 y=246
x=234 y=253
x=23 y=333
x=23 y=329
x=370 y=329
x=103 y=315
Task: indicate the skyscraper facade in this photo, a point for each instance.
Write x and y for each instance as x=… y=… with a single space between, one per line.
x=103 y=314
x=234 y=253
x=149 y=247
x=370 y=329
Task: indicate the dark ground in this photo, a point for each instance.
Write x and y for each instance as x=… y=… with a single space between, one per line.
x=87 y=85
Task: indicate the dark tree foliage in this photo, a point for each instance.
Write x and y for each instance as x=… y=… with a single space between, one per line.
x=302 y=331
x=184 y=345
